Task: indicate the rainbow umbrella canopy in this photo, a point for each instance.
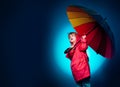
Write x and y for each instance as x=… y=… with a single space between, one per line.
x=89 y=22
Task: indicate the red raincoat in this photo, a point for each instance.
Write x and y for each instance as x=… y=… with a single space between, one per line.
x=79 y=61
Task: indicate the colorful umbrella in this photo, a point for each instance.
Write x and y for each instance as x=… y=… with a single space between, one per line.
x=99 y=35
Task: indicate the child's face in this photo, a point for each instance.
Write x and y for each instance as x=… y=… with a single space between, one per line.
x=72 y=37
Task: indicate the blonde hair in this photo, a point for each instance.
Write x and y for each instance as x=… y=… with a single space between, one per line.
x=71 y=33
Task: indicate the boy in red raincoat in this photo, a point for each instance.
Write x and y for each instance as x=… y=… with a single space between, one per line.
x=79 y=59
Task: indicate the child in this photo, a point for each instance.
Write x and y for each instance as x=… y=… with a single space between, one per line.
x=79 y=59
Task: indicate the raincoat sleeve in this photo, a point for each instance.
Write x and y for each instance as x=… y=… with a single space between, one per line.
x=70 y=53
x=67 y=52
x=67 y=55
x=83 y=45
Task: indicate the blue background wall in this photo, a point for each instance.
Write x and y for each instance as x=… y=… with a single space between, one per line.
x=29 y=45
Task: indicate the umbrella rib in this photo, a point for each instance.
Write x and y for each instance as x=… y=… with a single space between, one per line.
x=94 y=35
x=92 y=29
x=81 y=17
x=101 y=44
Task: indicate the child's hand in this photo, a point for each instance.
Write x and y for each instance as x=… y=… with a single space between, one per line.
x=84 y=36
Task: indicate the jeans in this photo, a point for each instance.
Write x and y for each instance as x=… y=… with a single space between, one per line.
x=84 y=83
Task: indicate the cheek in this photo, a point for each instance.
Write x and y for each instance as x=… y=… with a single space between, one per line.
x=74 y=38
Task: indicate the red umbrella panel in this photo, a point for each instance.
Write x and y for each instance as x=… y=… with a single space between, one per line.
x=84 y=22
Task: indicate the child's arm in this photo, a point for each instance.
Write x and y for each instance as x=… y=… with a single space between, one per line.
x=67 y=52
x=83 y=44
x=67 y=55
